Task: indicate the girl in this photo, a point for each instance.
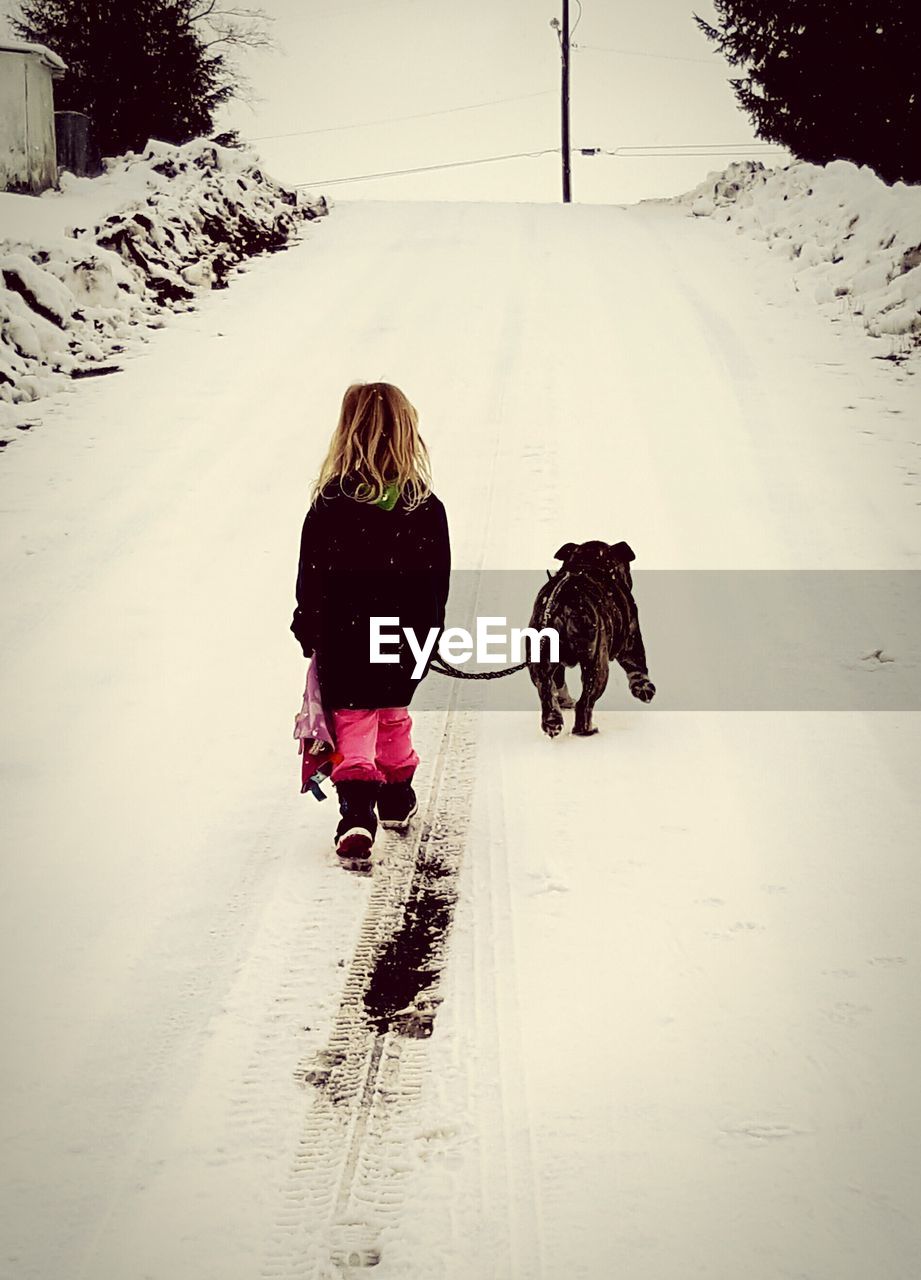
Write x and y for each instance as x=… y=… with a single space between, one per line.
x=374 y=544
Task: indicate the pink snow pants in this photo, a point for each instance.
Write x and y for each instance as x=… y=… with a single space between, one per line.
x=376 y=745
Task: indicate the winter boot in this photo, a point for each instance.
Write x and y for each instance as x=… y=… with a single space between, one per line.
x=396 y=804
x=358 y=825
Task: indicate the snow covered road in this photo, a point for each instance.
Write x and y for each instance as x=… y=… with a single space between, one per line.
x=679 y=1033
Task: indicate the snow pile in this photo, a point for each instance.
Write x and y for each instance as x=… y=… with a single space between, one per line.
x=49 y=58
x=83 y=267
x=849 y=235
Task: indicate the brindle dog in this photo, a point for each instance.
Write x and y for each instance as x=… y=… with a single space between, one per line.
x=590 y=603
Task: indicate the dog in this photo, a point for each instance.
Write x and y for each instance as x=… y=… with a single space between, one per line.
x=589 y=602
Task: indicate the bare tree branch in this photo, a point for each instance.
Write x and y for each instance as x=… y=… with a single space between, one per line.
x=203 y=12
x=234 y=26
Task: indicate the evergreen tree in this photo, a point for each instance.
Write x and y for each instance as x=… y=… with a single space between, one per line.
x=141 y=68
x=829 y=79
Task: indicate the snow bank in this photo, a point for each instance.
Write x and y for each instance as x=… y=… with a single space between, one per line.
x=82 y=268
x=848 y=234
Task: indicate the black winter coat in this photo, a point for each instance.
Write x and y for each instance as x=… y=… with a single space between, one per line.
x=358 y=561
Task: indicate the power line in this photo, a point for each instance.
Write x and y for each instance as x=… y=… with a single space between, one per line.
x=653 y=151
x=419 y=115
x=684 y=146
x=425 y=168
x=661 y=153
x=642 y=53
x=710 y=147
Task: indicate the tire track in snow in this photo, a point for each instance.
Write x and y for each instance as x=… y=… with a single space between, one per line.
x=507 y=1157
x=345 y=1186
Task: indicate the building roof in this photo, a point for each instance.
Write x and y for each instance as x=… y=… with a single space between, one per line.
x=49 y=59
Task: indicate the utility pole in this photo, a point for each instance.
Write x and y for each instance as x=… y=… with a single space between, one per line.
x=564 y=45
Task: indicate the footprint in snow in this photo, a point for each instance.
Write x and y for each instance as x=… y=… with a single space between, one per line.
x=847 y=1014
x=875 y=658
x=760 y=1131
x=734 y=930
x=546 y=884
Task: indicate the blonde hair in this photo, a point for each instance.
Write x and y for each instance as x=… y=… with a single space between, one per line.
x=377 y=443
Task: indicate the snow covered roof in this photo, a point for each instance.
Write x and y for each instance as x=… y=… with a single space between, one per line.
x=22 y=46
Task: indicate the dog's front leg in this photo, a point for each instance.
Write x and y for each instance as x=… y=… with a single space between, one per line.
x=594 y=683
x=633 y=662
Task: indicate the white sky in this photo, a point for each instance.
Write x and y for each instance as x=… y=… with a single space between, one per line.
x=356 y=61
x=343 y=63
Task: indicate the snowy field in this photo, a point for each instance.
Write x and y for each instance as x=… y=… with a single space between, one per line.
x=679 y=1032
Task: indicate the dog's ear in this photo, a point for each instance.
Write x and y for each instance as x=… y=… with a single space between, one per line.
x=622 y=551
x=565 y=551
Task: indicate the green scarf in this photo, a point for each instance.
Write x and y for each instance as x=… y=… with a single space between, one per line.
x=389 y=499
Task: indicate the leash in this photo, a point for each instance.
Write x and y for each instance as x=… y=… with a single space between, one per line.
x=443 y=668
